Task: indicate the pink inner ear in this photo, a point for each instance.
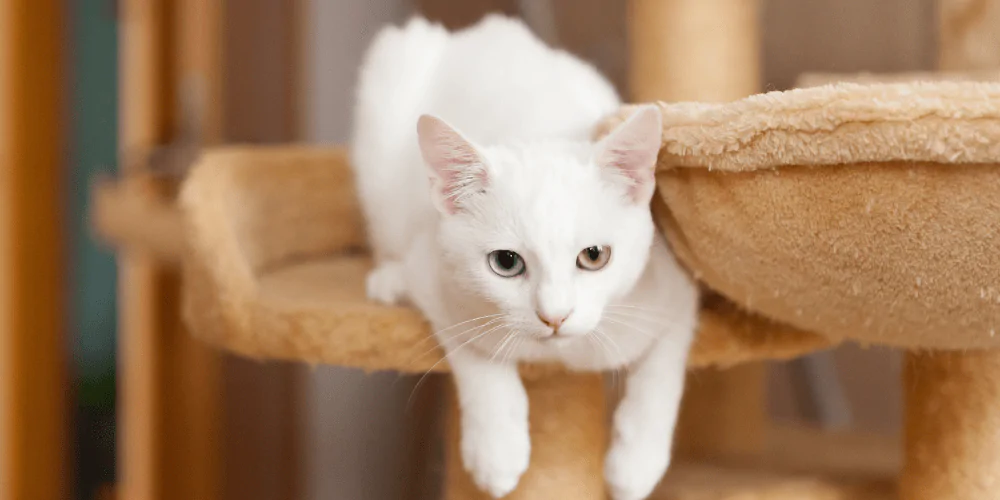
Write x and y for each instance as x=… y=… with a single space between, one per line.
x=456 y=167
x=633 y=162
x=631 y=151
x=451 y=184
x=640 y=178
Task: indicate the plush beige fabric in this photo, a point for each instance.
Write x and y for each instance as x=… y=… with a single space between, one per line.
x=820 y=79
x=869 y=212
x=277 y=265
x=947 y=122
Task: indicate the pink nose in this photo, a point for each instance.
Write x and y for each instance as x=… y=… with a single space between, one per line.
x=552 y=321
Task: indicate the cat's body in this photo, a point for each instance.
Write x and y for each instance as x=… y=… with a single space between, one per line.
x=529 y=243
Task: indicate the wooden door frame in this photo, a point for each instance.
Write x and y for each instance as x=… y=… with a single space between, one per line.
x=34 y=389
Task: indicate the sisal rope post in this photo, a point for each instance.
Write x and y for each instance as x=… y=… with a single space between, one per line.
x=568 y=425
x=952 y=430
x=693 y=50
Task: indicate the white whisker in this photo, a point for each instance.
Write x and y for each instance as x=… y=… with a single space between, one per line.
x=516 y=342
x=453 y=337
x=434 y=335
x=447 y=353
x=622 y=360
x=476 y=330
x=606 y=354
x=640 y=316
x=500 y=345
x=655 y=312
x=621 y=322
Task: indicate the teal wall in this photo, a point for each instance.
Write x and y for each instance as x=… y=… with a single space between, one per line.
x=93 y=111
x=94 y=97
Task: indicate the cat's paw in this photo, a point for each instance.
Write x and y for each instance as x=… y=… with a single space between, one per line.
x=386 y=283
x=639 y=453
x=632 y=470
x=496 y=454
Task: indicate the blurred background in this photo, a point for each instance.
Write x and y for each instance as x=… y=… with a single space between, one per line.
x=91 y=88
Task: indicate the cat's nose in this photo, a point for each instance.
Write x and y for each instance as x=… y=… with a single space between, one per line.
x=554 y=321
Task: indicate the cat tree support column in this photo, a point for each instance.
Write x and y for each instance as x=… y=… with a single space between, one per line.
x=967 y=35
x=953 y=398
x=952 y=426
x=693 y=50
x=567 y=413
x=704 y=50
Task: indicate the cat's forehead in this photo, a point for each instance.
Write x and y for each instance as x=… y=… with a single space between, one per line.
x=552 y=198
x=555 y=169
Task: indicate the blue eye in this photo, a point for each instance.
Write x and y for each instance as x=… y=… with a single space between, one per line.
x=506 y=263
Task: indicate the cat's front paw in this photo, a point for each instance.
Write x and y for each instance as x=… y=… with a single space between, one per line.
x=386 y=283
x=639 y=453
x=495 y=454
x=633 y=470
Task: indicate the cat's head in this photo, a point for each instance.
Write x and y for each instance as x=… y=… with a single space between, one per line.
x=548 y=232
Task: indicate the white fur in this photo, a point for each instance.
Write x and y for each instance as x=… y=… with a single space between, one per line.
x=524 y=177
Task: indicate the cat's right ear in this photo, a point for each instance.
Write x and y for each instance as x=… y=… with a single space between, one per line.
x=457 y=169
x=629 y=152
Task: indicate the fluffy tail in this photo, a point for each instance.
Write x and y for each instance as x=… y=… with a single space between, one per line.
x=396 y=73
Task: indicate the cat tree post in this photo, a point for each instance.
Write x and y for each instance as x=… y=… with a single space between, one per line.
x=967 y=35
x=704 y=50
x=952 y=426
x=567 y=414
x=693 y=50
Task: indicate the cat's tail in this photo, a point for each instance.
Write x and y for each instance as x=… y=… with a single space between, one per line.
x=396 y=75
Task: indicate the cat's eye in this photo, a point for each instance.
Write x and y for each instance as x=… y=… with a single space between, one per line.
x=593 y=258
x=506 y=263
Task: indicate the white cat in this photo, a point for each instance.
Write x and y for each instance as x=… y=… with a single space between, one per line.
x=490 y=209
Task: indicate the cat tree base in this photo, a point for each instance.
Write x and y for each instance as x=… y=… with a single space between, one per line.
x=567 y=414
x=952 y=426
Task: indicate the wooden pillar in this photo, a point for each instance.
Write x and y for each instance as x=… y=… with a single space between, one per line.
x=968 y=34
x=34 y=422
x=169 y=445
x=567 y=414
x=704 y=50
x=697 y=50
x=193 y=371
x=952 y=429
x=144 y=123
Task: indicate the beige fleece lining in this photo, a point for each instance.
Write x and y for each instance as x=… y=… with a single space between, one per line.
x=867 y=212
x=946 y=122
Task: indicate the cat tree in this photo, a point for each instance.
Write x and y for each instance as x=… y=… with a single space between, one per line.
x=868 y=213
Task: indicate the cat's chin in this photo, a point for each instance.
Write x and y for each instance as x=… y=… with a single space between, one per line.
x=558 y=340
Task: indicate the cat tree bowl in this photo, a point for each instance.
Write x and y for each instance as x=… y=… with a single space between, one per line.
x=863 y=212
x=869 y=213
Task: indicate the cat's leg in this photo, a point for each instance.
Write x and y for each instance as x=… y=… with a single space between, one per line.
x=642 y=433
x=495 y=444
x=387 y=283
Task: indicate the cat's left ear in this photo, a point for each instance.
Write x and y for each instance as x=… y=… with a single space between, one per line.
x=629 y=152
x=457 y=168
